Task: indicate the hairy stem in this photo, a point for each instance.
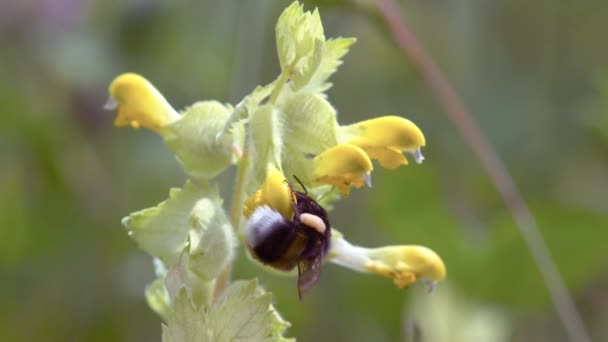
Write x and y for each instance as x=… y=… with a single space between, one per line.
x=491 y=162
x=238 y=196
x=236 y=208
x=279 y=86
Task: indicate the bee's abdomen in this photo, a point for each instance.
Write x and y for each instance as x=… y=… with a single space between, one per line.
x=282 y=253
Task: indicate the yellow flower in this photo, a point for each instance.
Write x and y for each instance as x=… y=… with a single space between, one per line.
x=385 y=139
x=404 y=264
x=343 y=166
x=275 y=193
x=139 y=104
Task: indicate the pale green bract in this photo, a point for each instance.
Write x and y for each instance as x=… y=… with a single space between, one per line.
x=162 y=231
x=300 y=40
x=182 y=275
x=333 y=51
x=309 y=115
x=243 y=313
x=212 y=241
x=303 y=51
x=193 y=139
x=157 y=297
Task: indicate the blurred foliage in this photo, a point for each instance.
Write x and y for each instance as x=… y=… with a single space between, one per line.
x=533 y=74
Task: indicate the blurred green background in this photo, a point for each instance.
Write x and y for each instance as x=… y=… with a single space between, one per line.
x=533 y=73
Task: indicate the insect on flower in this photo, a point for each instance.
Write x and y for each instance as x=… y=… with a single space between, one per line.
x=283 y=243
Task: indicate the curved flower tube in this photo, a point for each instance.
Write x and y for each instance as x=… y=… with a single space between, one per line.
x=404 y=264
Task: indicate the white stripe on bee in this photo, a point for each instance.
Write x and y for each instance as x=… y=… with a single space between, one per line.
x=314 y=222
x=261 y=223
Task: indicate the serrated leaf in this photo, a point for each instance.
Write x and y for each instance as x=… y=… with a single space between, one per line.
x=185 y=322
x=181 y=276
x=243 y=313
x=333 y=51
x=305 y=68
x=194 y=139
x=162 y=230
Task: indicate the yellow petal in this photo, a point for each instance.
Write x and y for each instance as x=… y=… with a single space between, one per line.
x=343 y=166
x=384 y=138
x=404 y=264
x=275 y=193
x=389 y=157
x=138 y=103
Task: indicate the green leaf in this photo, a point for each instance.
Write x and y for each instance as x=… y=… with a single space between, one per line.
x=194 y=139
x=210 y=248
x=162 y=231
x=303 y=51
x=185 y=322
x=243 y=313
x=305 y=68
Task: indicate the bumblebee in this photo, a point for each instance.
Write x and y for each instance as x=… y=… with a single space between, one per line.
x=301 y=241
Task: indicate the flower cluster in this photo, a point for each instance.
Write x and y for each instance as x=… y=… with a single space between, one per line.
x=284 y=129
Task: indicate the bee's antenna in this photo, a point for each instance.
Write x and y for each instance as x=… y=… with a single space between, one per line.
x=301 y=184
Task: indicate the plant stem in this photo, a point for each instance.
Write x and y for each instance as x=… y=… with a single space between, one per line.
x=491 y=162
x=236 y=207
x=279 y=86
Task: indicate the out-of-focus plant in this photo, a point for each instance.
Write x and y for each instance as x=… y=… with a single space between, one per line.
x=281 y=130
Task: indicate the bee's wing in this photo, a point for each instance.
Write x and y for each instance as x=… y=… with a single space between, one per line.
x=308 y=273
